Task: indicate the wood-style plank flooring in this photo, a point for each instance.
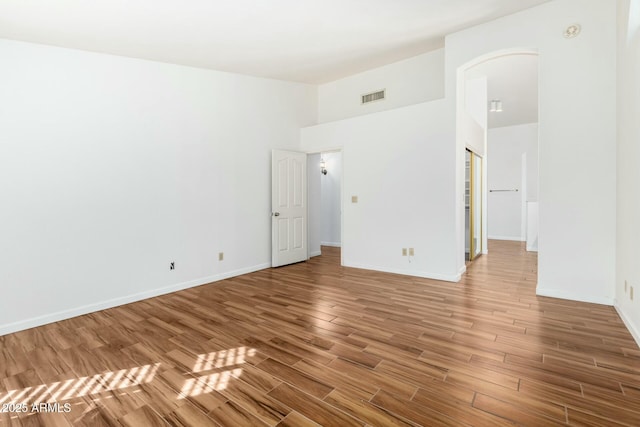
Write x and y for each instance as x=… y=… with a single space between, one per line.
x=317 y=344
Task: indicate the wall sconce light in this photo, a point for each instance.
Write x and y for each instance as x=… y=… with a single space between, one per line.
x=495 y=106
x=323 y=167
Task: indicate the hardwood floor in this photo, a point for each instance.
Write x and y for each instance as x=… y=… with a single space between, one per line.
x=317 y=344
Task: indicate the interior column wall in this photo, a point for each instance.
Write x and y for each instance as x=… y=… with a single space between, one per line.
x=577 y=234
x=398 y=188
x=628 y=190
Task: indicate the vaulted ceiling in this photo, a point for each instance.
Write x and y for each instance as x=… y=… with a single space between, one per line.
x=312 y=41
x=513 y=80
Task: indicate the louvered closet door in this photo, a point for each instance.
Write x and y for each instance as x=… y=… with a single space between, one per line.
x=288 y=207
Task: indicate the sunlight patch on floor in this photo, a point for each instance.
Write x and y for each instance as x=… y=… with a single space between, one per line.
x=228 y=363
x=222 y=359
x=78 y=387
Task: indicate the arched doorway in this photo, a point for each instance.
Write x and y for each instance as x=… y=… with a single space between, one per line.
x=497 y=100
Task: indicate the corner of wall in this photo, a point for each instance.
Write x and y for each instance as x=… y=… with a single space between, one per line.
x=635 y=332
x=572 y=296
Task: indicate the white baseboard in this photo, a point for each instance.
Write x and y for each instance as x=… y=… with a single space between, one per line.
x=555 y=293
x=312 y=254
x=513 y=238
x=33 y=322
x=332 y=244
x=628 y=323
x=239 y=272
x=594 y=300
x=425 y=275
x=463 y=270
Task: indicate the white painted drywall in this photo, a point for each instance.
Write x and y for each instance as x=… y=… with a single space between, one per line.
x=113 y=167
x=506 y=211
x=628 y=194
x=314 y=203
x=397 y=164
x=577 y=231
x=407 y=82
x=473 y=125
x=331 y=202
x=532 y=226
x=118 y=166
x=475 y=106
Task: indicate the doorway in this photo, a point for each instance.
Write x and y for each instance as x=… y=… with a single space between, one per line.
x=325 y=201
x=511 y=146
x=497 y=115
x=473 y=205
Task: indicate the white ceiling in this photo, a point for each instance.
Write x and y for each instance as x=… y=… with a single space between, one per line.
x=513 y=80
x=311 y=41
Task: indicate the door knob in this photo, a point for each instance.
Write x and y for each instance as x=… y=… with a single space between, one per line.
x=276 y=214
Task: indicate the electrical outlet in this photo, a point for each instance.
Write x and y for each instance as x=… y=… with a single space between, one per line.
x=220 y=256
x=172 y=266
x=411 y=252
x=404 y=251
x=631 y=293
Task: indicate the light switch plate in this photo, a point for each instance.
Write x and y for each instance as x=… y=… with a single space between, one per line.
x=354 y=199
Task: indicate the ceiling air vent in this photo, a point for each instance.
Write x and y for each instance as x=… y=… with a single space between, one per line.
x=374 y=96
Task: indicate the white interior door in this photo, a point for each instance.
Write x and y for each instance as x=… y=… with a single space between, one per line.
x=288 y=207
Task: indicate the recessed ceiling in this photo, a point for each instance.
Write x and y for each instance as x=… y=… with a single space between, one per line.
x=512 y=79
x=310 y=41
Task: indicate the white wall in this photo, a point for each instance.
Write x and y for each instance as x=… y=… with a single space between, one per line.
x=628 y=267
x=532 y=226
x=505 y=148
x=407 y=82
x=476 y=101
x=395 y=163
x=473 y=125
x=476 y=117
x=118 y=166
x=577 y=125
x=314 y=203
x=112 y=167
x=331 y=202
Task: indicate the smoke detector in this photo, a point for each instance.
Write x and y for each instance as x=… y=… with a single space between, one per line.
x=572 y=31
